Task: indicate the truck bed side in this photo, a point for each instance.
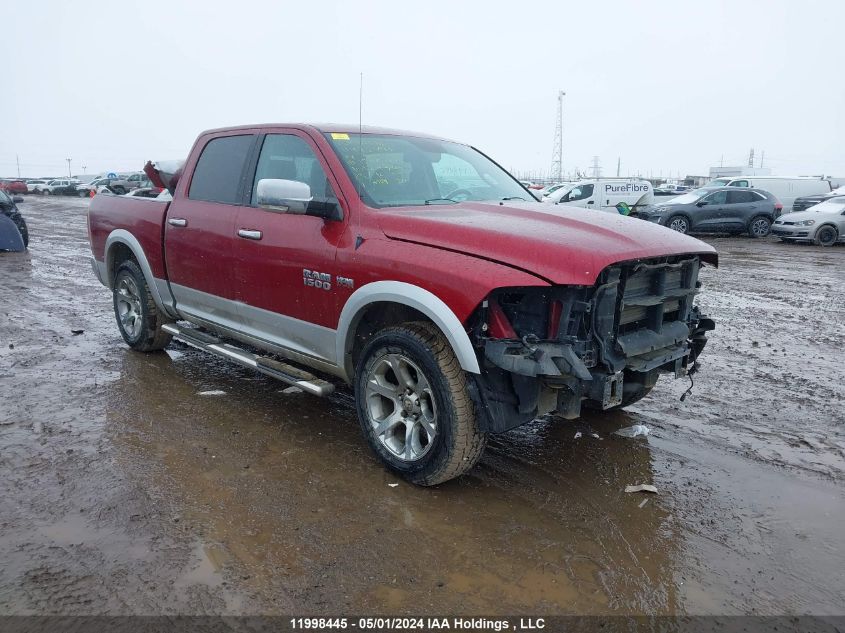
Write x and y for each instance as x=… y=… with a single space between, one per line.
x=142 y=218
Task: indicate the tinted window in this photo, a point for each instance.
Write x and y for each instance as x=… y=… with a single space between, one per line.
x=288 y=157
x=738 y=197
x=716 y=198
x=218 y=174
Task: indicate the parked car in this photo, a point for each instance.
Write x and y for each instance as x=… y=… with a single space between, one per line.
x=614 y=195
x=35 y=184
x=129 y=182
x=9 y=211
x=785 y=189
x=415 y=269
x=550 y=189
x=805 y=202
x=728 y=209
x=823 y=224
x=84 y=189
x=670 y=189
x=14 y=186
x=62 y=187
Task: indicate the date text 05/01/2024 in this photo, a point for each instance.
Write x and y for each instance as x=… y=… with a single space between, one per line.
x=418 y=624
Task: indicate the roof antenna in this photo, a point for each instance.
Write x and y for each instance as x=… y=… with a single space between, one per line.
x=362 y=166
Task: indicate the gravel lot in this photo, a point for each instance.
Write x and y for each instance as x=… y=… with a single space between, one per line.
x=124 y=490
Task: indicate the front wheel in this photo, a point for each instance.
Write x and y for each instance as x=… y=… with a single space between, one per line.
x=414 y=405
x=678 y=223
x=759 y=227
x=46 y=192
x=82 y=194
x=138 y=318
x=826 y=236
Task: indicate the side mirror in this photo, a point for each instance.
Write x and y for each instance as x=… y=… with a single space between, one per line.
x=294 y=197
x=701 y=204
x=17 y=199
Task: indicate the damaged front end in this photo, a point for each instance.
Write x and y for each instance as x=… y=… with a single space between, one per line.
x=563 y=347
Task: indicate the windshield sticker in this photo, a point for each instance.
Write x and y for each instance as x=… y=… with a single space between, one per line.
x=340 y=136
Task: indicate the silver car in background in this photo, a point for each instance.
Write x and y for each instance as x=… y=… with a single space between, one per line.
x=823 y=224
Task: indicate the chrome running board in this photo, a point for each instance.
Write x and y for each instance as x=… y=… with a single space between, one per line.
x=269 y=366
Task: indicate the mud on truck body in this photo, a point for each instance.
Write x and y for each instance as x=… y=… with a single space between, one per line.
x=413 y=268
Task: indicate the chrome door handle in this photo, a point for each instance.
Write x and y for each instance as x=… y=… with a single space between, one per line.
x=177 y=222
x=249 y=234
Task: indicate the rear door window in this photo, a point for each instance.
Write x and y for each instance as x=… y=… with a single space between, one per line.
x=740 y=197
x=219 y=174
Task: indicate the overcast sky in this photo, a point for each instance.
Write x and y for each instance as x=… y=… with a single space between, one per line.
x=667 y=87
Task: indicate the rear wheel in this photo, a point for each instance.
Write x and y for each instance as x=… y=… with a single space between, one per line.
x=138 y=318
x=827 y=235
x=678 y=223
x=414 y=405
x=119 y=190
x=46 y=192
x=759 y=226
x=82 y=193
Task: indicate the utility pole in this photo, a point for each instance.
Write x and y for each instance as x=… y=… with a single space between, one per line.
x=68 y=166
x=762 y=155
x=84 y=167
x=618 y=166
x=751 y=158
x=556 y=170
x=18 y=161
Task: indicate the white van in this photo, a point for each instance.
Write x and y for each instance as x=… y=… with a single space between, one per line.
x=784 y=188
x=614 y=195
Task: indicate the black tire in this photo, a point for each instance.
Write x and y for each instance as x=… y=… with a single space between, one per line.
x=827 y=235
x=23 y=229
x=82 y=194
x=149 y=336
x=119 y=191
x=46 y=192
x=458 y=442
x=759 y=227
x=678 y=223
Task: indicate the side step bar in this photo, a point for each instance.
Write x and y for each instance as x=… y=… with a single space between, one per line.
x=271 y=367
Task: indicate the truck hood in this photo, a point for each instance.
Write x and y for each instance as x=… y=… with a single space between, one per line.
x=564 y=245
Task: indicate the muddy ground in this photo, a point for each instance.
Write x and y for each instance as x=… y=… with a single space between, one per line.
x=123 y=490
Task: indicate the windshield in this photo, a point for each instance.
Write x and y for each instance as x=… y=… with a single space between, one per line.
x=4 y=199
x=689 y=197
x=397 y=171
x=831 y=202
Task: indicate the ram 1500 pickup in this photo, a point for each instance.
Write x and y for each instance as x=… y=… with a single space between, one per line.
x=413 y=268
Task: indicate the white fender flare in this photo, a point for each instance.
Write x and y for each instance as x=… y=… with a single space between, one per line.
x=414 y=297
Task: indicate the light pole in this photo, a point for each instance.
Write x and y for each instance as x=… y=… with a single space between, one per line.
x=68 y=166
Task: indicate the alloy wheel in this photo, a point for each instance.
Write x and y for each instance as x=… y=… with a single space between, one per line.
x=400 y=407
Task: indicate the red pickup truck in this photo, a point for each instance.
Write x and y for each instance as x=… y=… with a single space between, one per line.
x=413 y=268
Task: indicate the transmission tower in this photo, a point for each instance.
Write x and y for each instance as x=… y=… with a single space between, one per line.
x=596 y=167
x=556 y=171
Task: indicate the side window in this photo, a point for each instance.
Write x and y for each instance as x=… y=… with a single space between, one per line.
x=717 y=198
x=288 y=157
x=739 y=197
x=217 y=176
x=580 y=193
x=739 y=183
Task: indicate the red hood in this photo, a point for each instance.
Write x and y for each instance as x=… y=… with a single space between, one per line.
x=565 y=245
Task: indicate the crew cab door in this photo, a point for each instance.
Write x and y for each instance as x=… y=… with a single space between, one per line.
x=285 y=263
x=200 y=240
x=708 y=213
